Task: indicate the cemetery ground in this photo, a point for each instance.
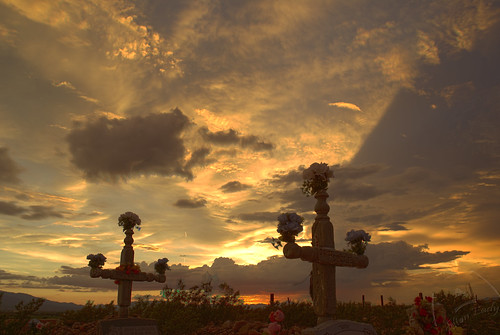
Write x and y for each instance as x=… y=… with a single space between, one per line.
x=197 y=312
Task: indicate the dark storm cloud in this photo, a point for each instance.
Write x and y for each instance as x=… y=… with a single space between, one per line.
x=10 y=208
x=394 y=226
x=190 y=203
x=232 y=137
x=388 y=262
x=9 y=170
x=199 y=158
x=234 y=186
x=41 y=212
x=355 y=172
x=35 y=212
x=344 y=190
x=121 y=148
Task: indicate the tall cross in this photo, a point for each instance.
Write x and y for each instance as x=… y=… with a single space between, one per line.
x=126 y=277
x=324 y=258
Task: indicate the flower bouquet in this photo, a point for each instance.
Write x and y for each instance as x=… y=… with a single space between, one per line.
x=357 y=241
x=128 y=269
x=427 y=317
x=276 y=318
x=289 y=226
x=96 y=261
x=316 y=178
x=161 y=266
x=129 y=220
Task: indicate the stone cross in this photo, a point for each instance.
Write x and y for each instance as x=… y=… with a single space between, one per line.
x=125 y=279
x=324 y=258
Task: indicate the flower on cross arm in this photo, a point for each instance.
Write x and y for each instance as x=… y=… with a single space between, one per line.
x=289 y=226
x=161 y=266
x=357 y=241
x=96 y=261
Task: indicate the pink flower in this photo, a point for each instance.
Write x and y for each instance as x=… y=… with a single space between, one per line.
x=279 y=316
x=274 y=328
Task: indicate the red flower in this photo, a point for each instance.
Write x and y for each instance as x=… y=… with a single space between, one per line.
x=428 y=326
x=429 y=299
x=422 y=312
x=418 y=300
x=439 y=319
x=271 y=317
x=117 y=282
x=434 y=331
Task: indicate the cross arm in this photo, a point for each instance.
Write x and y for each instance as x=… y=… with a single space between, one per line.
x=327 y=256
x=120 y=275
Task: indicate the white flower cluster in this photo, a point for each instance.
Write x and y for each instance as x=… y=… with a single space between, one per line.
x=357 y=235
x=290 y=223
x=128 y=220
x=320 y=170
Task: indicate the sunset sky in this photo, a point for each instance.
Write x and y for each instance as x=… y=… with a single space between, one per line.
x=200 y=116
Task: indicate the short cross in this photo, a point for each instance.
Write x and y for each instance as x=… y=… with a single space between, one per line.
x=126 y=277
x=324 y=258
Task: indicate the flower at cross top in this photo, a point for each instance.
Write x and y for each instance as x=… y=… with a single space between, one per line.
x=129 y=220
x=316 y=178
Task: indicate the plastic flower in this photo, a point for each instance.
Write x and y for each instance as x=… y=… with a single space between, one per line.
x=316 y=178
x=129 y=220
x=357 y=241
x=274 y=328
x=289 y=226
x=161 y=265
x=96 y=261
x=278 y=316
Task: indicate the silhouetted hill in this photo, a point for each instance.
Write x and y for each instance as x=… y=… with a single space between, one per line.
x=10 y=300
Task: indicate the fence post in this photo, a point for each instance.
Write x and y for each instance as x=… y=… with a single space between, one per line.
x=271 y=299
x=421 y=295
x=381 y=300
x=363 y=299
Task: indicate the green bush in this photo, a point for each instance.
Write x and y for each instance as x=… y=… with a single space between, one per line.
x=16 y=322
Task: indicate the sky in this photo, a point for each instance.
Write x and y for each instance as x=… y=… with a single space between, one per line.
x=200 y=116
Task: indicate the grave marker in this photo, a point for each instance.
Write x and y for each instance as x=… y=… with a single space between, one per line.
x=126 y=276
x=325 y=258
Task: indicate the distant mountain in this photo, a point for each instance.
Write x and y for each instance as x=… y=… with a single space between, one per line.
x=10 y=300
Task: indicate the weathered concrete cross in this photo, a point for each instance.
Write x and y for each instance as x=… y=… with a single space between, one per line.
x=126 y=276
x=324 y=258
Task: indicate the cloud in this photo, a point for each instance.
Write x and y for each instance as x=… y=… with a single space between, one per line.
x=394 y=226
x=10 y=208
x=232 y=137
x=9 y=170
x=356 y=172
x=388 y=262
x=345 y=105
x=234 y=186
x=344 y=190
x=41 y=212
x=259 y=216
x=190 y=203
x=122 y=148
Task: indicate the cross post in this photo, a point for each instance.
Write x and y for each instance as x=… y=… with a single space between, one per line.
x=324 y=258
x=126 y=276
